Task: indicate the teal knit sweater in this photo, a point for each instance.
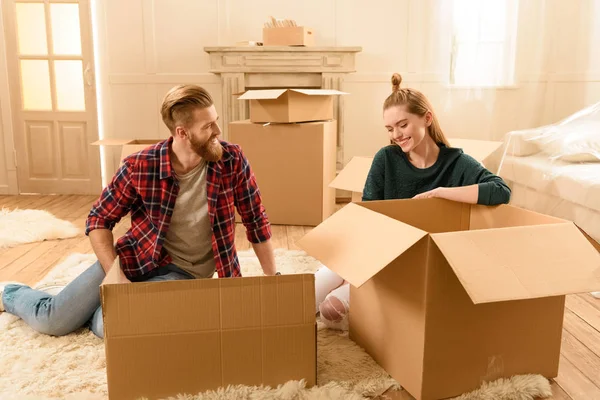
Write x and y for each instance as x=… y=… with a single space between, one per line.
x=392 y=176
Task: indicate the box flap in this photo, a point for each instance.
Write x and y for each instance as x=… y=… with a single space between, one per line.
x=122 y=142
x=478 y=149
x=521 y=262
x=354 y=175
x=266 y=94
x=319 y=92
x=111 y=142
x=357 y=243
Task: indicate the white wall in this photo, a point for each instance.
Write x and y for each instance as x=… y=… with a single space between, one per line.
x=147 y=46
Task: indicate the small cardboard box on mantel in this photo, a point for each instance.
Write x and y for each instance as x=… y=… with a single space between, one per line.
x=288 y=36
x=290 y=105
x=446 y=295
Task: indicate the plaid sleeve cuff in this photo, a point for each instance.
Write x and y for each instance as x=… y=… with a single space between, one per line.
x=260 y=233
x=94 y=222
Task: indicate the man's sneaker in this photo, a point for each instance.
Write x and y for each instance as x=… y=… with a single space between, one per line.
x=596 y=294
x=2 y=286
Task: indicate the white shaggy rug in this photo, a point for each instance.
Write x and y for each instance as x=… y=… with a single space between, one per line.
x=40 y=367
x=27 y=226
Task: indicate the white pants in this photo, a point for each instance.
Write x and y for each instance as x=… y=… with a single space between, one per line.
x=332 y=298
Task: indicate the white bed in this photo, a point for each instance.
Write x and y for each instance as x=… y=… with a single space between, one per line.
x=562 y=189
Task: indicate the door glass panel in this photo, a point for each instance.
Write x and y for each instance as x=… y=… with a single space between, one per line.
x=35 y=81
x=31 y=29
x=66 y=37
x=69 y=85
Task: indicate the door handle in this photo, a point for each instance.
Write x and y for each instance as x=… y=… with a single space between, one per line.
x=87 y=74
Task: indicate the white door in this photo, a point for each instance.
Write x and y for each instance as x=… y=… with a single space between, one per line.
x=50 y=62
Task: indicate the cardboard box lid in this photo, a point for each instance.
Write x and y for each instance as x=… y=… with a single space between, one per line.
x=523 y=262
x=354 y=174
x=357 y=243
x=122 y=142
x=478 y=149
x=271 y=94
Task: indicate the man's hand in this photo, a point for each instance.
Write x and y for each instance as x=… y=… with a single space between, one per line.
x=115 y=274
x=264 y=253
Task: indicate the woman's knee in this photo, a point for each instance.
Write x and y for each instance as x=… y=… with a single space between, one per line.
x=333 y=309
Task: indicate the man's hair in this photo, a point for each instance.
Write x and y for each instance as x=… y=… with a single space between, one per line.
x=179 y=103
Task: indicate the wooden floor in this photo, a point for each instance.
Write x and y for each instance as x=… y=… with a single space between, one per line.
x=579 y=376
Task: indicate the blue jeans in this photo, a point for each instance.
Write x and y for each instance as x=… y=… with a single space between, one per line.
x=77 y=304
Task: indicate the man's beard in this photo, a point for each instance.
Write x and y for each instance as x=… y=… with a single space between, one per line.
x=209 y=150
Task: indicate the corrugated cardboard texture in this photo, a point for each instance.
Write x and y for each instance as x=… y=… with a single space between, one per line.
x=357 y=243
x=288 y=36
x=165 y=338
x=503 y=216
x=478 y=149
x=129 y=146
x=521 y=262
x=468 y=344
x=389 y=326
x=290 y=105
x=430 y=215
x=354 y=175
x=293 y=165
x=517 y=264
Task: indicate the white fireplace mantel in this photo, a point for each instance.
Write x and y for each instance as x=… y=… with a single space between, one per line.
x=254 y=67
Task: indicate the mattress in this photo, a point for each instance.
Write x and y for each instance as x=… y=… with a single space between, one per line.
x=530 y=199
x=577 y=183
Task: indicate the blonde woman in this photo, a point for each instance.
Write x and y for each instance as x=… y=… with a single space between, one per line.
x=418 y=163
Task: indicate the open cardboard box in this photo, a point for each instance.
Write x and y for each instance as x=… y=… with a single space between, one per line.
x=288 y=36
x=166 y=338
x=353 y=176
x=290 y=105
x=128 y=146
x=446 y=295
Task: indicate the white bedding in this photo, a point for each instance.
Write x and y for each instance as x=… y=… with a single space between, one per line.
x=530 y=199
x=576 y=183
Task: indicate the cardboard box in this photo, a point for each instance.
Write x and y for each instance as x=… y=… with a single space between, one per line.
x=445 y=295
x=293 y=165
x=288 y=36
x=128 y=146
x=166 y=338
x=290 y=105
x=353 y=176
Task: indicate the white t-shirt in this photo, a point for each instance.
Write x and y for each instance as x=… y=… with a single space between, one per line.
x=189 y=237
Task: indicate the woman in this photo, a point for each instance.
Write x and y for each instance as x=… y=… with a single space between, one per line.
x=418 y=163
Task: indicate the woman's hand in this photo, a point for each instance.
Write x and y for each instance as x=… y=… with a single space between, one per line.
x=463 y=194
x=437 y=192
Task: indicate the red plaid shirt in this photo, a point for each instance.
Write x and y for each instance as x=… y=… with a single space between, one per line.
x=145 y=186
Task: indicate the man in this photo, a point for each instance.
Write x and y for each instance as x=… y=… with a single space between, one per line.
x=182 y=194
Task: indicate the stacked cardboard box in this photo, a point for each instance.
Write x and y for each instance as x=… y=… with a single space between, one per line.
x=290 y=142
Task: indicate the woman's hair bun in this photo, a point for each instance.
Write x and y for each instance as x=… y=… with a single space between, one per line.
x=396 y=81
